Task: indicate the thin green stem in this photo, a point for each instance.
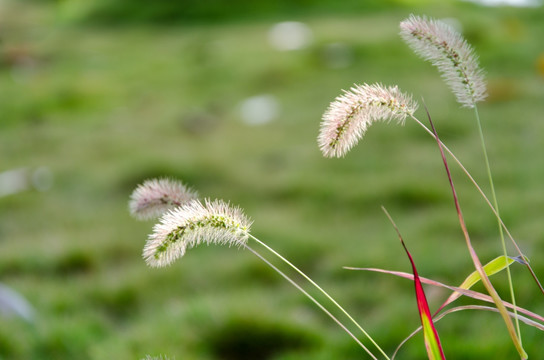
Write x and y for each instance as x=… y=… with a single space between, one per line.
x=496 y=206
x=310 y=297
x=483 y=276
x=323 y=292
x=479 y=189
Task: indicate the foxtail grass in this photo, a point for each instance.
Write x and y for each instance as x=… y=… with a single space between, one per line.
x=350 y=114
x=217 y=222
x=347 y=118
x=185 y=221
x=154 y=197
x=193 y=223
x=446 y=49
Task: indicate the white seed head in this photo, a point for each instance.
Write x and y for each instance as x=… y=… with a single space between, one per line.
x=214 y=222
x=349 y=115
x=156 y=196
x=445 y=48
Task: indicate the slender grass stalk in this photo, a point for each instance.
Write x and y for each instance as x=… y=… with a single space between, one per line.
x=486 y=199
x=445 y=48
x=477 y=263
x=217 y=222
x=322 y=291
x=496 y=206
x=319 y=305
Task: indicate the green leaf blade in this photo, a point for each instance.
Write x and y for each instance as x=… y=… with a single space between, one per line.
x=494 y=266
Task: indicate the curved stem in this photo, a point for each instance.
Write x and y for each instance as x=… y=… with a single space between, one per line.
x=479 y=189
x=323 y=292
x=483 y=276
x=311 y=298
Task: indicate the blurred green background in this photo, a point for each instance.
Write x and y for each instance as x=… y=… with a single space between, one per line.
x=96 y=97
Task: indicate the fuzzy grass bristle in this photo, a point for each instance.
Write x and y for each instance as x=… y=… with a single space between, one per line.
x=156 y=196
x=214 y=222
x=445 y=48
x=349 y=115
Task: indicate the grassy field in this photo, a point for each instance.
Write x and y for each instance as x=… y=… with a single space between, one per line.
x=100 y=109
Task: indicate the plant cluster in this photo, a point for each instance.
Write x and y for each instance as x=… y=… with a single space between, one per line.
x=185 y=221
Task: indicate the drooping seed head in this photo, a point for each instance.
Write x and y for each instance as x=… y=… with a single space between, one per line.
x=445 y=48
x=156 y=196
x=214 y=222
x=349 y=115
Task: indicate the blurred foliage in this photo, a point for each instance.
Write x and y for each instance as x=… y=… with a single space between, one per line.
x=104 y=107
x=247 y=339
x=166 y=12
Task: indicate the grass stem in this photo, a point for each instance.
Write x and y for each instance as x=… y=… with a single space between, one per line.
x=486 y=199
x=309 y=297
x=323 y=292
x=496 y=206
x=477 y=263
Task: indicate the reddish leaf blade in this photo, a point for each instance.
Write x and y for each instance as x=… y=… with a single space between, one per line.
x=430 y=335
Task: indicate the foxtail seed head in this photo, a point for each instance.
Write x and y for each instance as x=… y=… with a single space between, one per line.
x=214 y=222
x=446 y=49
x=156 y=196
x=349 y=115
